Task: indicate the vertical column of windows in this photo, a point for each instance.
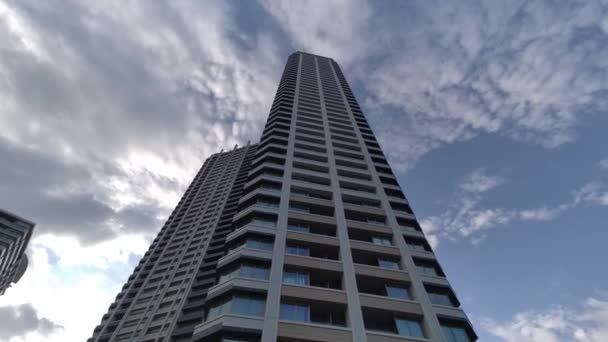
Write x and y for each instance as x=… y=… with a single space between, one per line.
x=394 y=203
x=334 y=123
x=270 y=325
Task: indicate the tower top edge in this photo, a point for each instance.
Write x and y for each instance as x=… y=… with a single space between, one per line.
x=311 y=54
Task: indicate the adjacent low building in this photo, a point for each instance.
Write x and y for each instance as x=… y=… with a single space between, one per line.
x=15 y=233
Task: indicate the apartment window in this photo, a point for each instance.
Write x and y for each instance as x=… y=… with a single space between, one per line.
x=299 y=208
x=455 y=334
x=440 y=299
x=248 y=305
x=397 y=292
x=295 y=312
x=153 y=329
x=296 y=278
x=297 y=250
x=257 y=221
x=267 y=202
x=408 y=225
x=314 y=313
x=428 y=267
x=298 y=227
x=246 y=271
x=259 y=244
x=408 y=327
x=299 y=192
x=375 y=220
x=270 y=186
x=239 y=304
x=384 y=263
x=441 y=296
x=417 y=245
x=381 y=240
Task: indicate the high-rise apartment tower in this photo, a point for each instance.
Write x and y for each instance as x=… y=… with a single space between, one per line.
x=304 y=237
x=15 y=233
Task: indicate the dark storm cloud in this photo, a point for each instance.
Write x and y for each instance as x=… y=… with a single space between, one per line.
x=32 y=185
x=120 y=93
x=23 y=319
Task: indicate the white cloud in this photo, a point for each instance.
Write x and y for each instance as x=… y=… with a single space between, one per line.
x=542 y=214
x=466 y=218
x=325 y=28
x=135 y=96
x=72 y=284
x=594 y=193
x=469 y=218
x=603 y=164
x=496 y=72
x=478 y=181
x=446 y=72
x=432 y=229
x=587 y=323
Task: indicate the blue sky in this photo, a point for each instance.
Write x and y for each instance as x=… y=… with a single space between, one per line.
x=493 y=115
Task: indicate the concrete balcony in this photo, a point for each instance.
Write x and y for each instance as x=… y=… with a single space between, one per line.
x=258 y=208
x=411 y=232
x=312 y=293
x=259 y=191
x=374 y=248
x=421 y=254
x=250 y=228
x=230 y=322
x=300 y=331
x=314 y=263
x=313 y=238
x=450 y=312
x=311 y=200
x=260 y=157
x=244 y=252
x=377 y=336
x=434 y=280
x=365 y=209
x=315 y=186
x=379 y=272
x=310 y=217
x=384 y=230
x=263 y=177
x=239 y=283
x=390 y=304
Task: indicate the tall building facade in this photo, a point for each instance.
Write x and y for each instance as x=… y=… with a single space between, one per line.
x=15 y=233
x=304 y=237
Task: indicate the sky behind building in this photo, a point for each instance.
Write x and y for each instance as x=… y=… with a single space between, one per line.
x=493 y=117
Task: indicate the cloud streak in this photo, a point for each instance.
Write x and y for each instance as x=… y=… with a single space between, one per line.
x=448 y=72
x=484 y=67
x=469 y=219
